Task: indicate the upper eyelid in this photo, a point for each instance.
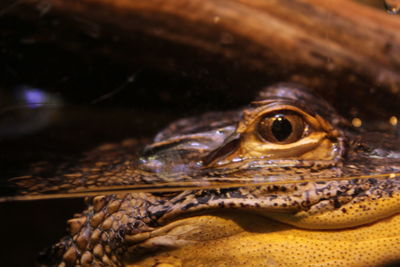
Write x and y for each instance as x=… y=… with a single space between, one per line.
x=264 y=104
x=252 y=116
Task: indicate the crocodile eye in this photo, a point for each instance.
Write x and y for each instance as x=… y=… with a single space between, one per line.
x=281 y=128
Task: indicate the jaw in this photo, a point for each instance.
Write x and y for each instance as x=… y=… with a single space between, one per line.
x=220 y=238
x=368 y=188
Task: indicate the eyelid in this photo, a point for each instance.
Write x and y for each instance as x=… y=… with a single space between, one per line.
x=254 y=116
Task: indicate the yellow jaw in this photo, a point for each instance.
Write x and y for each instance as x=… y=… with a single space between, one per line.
x=355 y=213
x=239 y=239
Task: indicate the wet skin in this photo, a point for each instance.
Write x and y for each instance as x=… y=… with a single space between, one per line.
x=283 y=182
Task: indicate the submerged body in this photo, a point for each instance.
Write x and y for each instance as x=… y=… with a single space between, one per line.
x=284 y=182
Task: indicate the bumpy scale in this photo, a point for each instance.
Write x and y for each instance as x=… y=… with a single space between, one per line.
x=283 y=182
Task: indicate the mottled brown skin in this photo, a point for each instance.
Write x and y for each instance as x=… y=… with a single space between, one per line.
x=219 y=162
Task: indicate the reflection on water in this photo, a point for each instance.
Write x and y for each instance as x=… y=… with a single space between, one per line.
x=24 y=110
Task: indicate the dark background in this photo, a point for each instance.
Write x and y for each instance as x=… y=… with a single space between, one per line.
x=104 y=100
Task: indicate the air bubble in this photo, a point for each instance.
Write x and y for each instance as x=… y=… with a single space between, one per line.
x=356 y=122
x=393 y=121
x=392 y=6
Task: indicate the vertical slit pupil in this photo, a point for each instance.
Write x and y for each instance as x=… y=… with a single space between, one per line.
x=281 y=128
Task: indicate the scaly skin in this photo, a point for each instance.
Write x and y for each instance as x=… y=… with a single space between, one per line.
x=239 y=239
x=325 y=211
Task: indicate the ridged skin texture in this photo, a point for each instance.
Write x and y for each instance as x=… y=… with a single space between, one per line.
x=228 y=197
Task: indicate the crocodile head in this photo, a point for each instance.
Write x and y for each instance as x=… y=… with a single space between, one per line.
x=288 y=157
x=302 y=164
x=288 y=134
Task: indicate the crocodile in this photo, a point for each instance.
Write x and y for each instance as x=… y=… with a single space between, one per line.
x=286 y=181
